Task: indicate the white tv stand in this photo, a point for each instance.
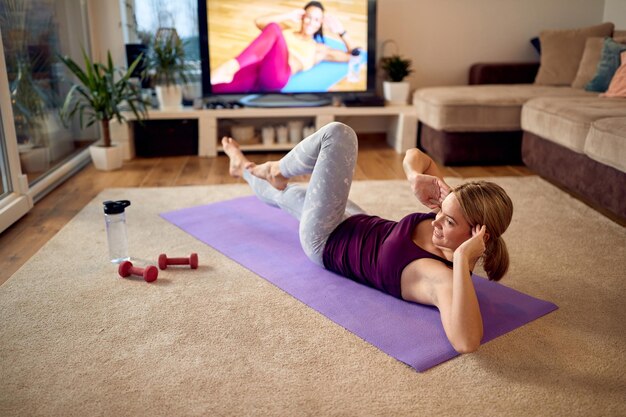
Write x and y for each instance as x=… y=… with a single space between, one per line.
x=401 y=130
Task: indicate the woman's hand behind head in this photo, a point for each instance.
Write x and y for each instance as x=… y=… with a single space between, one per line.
x=429 y=190
x=296 y=15
x=474 y=247
x=333 y=24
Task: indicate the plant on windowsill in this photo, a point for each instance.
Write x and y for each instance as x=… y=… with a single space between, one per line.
x=104 y=92
x=396 y=69
x=166 y=66
x=31 y=99
x=30 y=115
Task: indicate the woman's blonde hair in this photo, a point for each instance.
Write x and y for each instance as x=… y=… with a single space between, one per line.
x=486 y=203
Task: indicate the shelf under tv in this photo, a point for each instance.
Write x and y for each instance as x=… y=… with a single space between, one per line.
x=276 y=147
x=401 y=130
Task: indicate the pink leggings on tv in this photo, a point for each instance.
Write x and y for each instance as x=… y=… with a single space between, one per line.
x=264 y=64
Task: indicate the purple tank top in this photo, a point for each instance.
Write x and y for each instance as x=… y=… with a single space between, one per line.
x=375 y=251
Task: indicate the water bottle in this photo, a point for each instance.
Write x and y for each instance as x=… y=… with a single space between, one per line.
x=354 y=64
x=115 y=220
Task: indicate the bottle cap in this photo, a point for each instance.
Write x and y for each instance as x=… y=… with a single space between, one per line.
x=115 y=207
x=355 y=52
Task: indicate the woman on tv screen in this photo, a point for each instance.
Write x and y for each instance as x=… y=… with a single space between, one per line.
x=280 y=51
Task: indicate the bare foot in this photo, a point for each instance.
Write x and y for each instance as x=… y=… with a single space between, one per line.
x=238 y=162
x=270 y=172
x=225 y=73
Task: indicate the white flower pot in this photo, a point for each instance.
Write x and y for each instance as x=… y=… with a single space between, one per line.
x=106 y=159
x=192 y=90
x=59 y=140
x=35 y=159
x=170 y=96
x=396 y=93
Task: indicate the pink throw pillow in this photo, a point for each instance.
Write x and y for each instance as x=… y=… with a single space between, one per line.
x=617 y=88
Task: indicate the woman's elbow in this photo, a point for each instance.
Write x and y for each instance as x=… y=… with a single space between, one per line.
x=416 y=158
x=412 y=153
x=466 y=344
x=411 y=156
x=466 y=347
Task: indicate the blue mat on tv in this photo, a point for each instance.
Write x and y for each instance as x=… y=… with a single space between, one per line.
x=323 y=75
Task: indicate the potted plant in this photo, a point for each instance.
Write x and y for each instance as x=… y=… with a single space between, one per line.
x=29 y=112
x=104 y=92
x=395 y=89
x=165 y=64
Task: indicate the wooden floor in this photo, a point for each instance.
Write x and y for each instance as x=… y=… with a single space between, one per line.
x=24 y=238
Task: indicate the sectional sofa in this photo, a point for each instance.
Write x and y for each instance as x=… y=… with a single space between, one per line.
x=564 y=133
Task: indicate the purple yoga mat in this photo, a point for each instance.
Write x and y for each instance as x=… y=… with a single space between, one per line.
x=265 y=240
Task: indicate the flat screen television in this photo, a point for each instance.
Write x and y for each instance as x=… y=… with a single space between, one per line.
x=297 y=53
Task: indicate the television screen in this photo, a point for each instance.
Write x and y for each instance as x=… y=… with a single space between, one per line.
x=278 y=46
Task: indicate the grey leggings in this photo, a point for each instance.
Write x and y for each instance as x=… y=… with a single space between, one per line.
x=329 y=155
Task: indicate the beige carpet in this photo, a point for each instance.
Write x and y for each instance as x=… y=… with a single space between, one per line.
x=76 y=340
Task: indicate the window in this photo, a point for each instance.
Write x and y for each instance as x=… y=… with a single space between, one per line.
x=150 y=15
x=34 y=32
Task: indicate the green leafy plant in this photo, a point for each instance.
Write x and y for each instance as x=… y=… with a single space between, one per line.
x=396 y=67
x=29 y=106
x=165 y=61
x=104 y=92
x=24 y=50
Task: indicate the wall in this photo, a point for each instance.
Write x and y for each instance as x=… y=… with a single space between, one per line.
x=444 y=37
x=615 y=11
x=105 y=29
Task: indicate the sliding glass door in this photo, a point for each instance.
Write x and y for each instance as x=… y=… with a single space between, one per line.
x=5 y=180
x=37 y=150
x=14 y=200
x=35 y=33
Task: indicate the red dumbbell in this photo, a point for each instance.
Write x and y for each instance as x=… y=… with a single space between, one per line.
x=148 y=273
x=192 y=261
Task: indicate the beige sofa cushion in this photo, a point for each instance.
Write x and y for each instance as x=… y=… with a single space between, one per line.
x=588 y=62
x=606 y=142
x=481 y=108
x=562 y=50
x=566 y=121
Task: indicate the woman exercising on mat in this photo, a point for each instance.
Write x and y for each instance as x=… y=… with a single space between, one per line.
x=279 y=52
x=425 y=257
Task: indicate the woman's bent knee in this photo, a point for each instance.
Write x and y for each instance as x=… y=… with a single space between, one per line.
x=273 y=28
x=342 y=134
